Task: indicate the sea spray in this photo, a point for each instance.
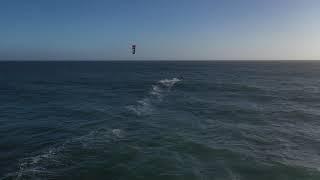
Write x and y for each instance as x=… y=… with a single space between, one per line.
x=145 y=106
x=47 y=163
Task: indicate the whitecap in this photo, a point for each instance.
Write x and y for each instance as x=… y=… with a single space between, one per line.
x=143 y=107
x=117 y=132
x=169 y=82
x=156 y=94
x=157 y=91
x=36 y=166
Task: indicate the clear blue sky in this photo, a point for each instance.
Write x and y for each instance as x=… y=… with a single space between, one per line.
x=162 y=29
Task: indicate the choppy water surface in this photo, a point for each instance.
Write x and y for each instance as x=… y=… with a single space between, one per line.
x=160 y=120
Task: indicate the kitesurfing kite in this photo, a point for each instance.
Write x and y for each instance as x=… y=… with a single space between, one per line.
x=133 y=49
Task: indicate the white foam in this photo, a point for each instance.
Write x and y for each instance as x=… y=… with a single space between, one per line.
x=35 y=166
x=117 y=132
x=144 y=102
x=169 y=82
x=156 y=90
x=156 y=94
x=43 y=164
x=143 y=107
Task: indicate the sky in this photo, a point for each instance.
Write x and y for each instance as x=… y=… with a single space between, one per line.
x=161 y=29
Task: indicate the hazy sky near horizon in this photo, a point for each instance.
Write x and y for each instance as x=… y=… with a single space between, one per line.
x=162 y=29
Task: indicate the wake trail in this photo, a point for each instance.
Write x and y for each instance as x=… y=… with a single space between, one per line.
x=158 y=91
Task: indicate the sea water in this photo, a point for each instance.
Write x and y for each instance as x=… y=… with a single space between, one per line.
x=245 y=120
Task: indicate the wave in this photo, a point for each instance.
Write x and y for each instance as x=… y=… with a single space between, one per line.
x=145 y=106
x=46 y=164
x=37 y=167
x=169 y=82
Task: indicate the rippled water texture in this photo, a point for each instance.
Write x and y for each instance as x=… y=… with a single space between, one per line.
x=160 y=120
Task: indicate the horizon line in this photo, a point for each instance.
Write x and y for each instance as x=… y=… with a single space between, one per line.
x=155 y=60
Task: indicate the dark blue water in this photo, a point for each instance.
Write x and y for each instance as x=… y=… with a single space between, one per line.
x=160 y=120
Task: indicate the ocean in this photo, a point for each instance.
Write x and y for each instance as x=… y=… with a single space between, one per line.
x=178 y=120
